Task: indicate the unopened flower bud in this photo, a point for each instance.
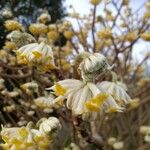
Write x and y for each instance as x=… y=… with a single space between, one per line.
x=93 y=65
x=50 y=125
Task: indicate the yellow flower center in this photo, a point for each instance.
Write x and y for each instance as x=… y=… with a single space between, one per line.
x=29 y=144
x=16 y=141
x=23 y=132
x=95 y=103
x=46 y=67
x=38 y=138
x=112 y=110
x=37 y=54
x=135 y=103
x=23 y=59
x=5 y=138
x=59 y=90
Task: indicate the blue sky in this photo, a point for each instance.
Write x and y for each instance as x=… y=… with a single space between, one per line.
x=83 y=6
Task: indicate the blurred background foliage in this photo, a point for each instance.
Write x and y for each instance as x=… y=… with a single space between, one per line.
x=28 y=10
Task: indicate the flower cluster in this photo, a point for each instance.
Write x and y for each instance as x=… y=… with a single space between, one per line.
x=84 y=96
x=82 y=75
x=36 y=54
x=30 y=138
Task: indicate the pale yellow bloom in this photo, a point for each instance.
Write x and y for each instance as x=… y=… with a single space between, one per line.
x=13 y=93
x=147 y=5
x=143 y=81
x=29 y=87
x=134 y=103
x=105 y=33
x=95 y=2
x=53 y=36
x=66 y=67
x=10 y=45
x=38 y=28
x=130 y=36
x=44 y=18
x=68 y=34
x=146 y=36
x=125 y=2
x=146 y=15
x=44 y=102
x=12 y=25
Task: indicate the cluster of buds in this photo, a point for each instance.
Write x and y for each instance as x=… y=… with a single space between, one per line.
x=16 y=92
x=29 y=137
x=30 y=87
x=12 y=25
x=38 y=28
x=44 y=103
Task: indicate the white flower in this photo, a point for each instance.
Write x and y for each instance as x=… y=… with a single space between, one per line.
x=9 y=133
x=17 y=138
x=31 y=113
x=6 y=12
x=37 y=135
x=92 y=65
x=50 y=125
x=116 y=90
x=147 y=138
x=20 y=38
x=118 y=145
x=43 y=102
x=44 y=18
x=111 y=141
x=30 y=86
x=35 y=53
x=145 y=130
x=28 y=138
x=83 y=97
